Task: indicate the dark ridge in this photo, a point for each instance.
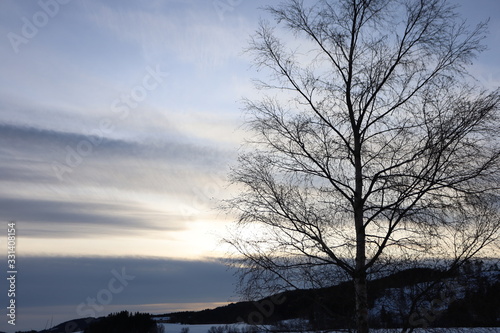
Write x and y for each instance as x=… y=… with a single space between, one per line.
x=75 y=325
x=333 y=307
x=336 y=300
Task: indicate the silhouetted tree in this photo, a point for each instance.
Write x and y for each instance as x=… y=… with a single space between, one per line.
x=373 y=146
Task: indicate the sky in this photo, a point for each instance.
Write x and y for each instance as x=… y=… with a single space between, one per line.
x=119 y=121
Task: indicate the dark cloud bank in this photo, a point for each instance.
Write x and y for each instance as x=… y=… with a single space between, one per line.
x=48 y=281
x=85 y=286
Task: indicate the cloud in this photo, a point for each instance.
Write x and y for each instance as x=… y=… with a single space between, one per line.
x=190 y=31
x=56 y=289
x=97 y=156
x=118 y=188
x=53 y=281
x=66 y=219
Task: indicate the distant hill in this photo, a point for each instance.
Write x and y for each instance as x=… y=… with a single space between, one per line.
x=75 y=325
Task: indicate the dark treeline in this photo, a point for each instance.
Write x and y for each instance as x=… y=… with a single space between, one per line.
x=124 y=322
x=120 y=322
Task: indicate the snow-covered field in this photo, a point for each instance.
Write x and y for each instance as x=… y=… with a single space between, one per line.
x=179 y=328
x=235 y=328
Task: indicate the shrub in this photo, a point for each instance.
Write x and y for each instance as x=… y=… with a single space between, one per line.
x=125 y=322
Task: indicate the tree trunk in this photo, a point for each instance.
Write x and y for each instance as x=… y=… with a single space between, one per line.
x=360 y=290
x=361 y=297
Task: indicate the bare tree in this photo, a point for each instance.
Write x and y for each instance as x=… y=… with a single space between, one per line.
x=373 y=144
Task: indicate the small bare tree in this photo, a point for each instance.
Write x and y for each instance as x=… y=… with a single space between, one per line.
x=373 y=145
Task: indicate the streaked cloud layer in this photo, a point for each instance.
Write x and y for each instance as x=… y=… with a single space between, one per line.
x=58 y=188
